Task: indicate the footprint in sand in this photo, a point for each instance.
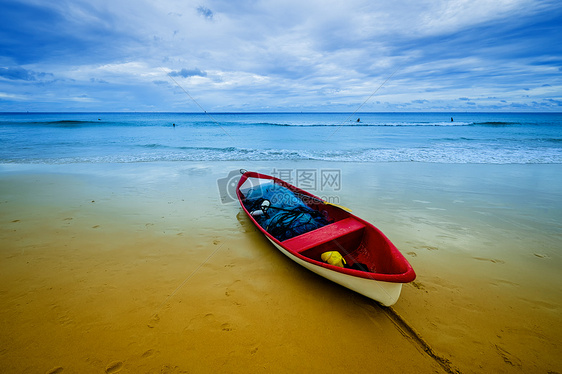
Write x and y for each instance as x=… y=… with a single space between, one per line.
x=153 y=321
x=503 y=282
x=114 y=367
x=199 y=322
x=419 y=286
x=226 y=327
x=413 y=254
x=429 y=248
x=56 y=370
x=495 y=261
x=508 y=358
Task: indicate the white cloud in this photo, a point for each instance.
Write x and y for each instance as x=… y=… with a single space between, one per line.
x=11 y=96
x=293 y=53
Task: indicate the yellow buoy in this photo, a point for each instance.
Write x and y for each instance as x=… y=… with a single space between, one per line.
x=333 y=258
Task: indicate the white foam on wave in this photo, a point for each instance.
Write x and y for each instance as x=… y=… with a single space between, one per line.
x=448 y=155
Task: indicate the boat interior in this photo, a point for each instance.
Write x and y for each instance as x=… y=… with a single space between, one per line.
x=356 y=240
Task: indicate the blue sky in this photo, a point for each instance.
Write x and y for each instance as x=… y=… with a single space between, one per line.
x=281 y=55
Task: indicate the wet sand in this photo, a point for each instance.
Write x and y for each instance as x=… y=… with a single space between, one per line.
x=141 y=268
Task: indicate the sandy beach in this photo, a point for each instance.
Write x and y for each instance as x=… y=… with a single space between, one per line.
x=141 y=268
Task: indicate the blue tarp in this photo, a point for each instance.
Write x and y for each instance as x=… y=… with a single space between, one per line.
x=288 y=216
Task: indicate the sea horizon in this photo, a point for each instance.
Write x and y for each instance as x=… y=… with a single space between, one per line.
x=282 y=112
x=94 y=137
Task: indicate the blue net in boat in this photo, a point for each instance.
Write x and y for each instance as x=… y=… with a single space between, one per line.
x=286 y=215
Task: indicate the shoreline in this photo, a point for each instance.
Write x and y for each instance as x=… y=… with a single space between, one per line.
x=140 y=267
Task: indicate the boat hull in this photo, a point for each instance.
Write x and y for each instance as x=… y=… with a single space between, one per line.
x=372 y=265
x=386 y=293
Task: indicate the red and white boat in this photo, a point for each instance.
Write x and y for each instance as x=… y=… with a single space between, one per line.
x=371 y=265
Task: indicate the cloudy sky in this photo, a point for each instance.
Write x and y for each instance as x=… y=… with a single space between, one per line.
x=280 y=55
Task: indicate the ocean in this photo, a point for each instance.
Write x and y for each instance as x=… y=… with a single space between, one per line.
x=454 y=138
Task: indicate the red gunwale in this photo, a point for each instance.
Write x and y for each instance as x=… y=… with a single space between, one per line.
x=404 y=277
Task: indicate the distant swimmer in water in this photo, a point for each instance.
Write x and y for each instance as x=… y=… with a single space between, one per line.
x=358 y=119
x=173 y=124
x=451 y=119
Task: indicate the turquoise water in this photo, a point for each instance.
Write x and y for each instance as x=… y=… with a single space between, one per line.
x=487 y=138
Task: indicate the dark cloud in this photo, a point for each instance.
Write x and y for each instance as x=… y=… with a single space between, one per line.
x=554 y=102
x=16 y=73
x=205 y=12
x=188 y=73
x=31 y=33
x=19 y=73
